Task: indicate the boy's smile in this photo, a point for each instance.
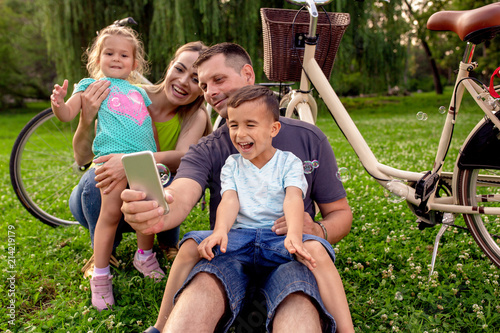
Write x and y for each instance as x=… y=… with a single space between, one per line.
x=252 y=129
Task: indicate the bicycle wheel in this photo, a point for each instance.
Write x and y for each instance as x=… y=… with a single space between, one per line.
x=42 y=169
x=481 y=188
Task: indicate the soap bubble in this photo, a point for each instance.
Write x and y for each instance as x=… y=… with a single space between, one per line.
x=308 y=167
x=343 y=174
x=442 y=110
x=421 y=115
x=164 y=173
x=398 y=296
x=397 y=191
x=315 y=164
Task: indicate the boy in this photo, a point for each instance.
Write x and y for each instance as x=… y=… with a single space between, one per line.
x=258 y=185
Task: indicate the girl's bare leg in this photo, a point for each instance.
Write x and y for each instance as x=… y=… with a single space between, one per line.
x=145 y=242
x=105 y=230
x=330 y=287
x=145 y=260
x=184 y=262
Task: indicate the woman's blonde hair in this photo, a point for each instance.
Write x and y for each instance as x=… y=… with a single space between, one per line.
x=94 y=51
x=185 y=112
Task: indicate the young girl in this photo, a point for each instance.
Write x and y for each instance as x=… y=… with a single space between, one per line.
x=124 y=126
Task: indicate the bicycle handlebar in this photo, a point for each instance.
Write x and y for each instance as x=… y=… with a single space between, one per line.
x=311 y=5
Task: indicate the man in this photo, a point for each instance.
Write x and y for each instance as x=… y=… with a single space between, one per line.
x=213 y=293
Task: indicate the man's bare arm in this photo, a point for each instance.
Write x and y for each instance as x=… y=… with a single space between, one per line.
x=147 y=218
x=337 y=219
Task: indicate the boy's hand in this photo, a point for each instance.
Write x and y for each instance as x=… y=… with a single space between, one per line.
x=295 y=246
x=59 y=93
x=206 y=246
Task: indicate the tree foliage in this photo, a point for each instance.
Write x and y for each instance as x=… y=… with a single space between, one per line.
x=25 y=71
x=372 y=45
x=379 y=50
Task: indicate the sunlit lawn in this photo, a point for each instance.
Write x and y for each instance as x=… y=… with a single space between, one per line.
x=384 y=261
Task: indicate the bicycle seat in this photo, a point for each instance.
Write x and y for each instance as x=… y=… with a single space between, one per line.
x=475 y=25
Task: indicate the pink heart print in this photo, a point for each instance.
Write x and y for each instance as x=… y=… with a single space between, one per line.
x=130 y=105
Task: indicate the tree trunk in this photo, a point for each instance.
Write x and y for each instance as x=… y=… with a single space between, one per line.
x=438 y=87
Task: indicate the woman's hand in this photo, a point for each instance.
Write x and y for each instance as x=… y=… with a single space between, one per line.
x=92 y=98
x=110 y=173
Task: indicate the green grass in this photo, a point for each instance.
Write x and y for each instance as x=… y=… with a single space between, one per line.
x=383 y=261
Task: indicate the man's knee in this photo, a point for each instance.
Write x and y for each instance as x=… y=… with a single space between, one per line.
x=188 y=253
x=206 y=286
x=298 y=300
x=298 y=312
x=199 y=307
x=314 y=247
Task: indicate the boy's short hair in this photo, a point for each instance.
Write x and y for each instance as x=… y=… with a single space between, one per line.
x=236 y=56
x=256 y=93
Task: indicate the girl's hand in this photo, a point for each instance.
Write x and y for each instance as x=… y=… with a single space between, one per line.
x=92 y=98
x=206 y=246
x=295 y=246
x=58 y=94
x=110 y=173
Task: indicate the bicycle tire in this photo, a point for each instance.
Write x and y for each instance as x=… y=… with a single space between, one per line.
x=42 y=168
x=484 y=228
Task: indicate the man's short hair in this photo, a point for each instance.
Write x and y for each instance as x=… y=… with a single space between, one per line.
x=236 y=56
x=256 y=93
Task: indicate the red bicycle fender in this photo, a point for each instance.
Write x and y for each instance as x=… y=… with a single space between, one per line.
x=492 y=88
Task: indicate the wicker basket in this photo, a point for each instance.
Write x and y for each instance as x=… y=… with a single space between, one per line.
x=282 y=59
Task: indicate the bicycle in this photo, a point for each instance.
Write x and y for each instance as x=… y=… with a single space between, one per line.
x=434 y=196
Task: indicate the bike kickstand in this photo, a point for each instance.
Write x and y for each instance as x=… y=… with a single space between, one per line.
x=448 y=220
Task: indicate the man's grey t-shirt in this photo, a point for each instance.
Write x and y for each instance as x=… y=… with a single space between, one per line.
x=203 y=162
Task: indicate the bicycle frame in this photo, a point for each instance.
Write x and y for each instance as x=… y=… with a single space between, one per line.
x=383 y=174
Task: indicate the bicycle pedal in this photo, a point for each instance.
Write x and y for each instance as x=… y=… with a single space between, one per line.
x=426 y=186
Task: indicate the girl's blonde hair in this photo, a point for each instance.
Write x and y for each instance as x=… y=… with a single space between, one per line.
x=94 y=51
x=185 y=112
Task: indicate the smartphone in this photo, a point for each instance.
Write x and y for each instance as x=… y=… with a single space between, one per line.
x=142 y=175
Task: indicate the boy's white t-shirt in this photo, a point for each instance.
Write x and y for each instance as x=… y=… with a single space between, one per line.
x=261 y=192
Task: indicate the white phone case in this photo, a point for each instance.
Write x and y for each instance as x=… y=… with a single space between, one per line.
x=142 y=175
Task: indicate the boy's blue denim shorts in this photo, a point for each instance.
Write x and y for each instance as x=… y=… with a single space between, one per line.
x=259 y=255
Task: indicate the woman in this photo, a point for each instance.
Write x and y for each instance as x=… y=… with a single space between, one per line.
x=181 y=120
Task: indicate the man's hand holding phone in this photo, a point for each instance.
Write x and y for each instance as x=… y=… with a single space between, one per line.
x=144 y=216
x=145 y=185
